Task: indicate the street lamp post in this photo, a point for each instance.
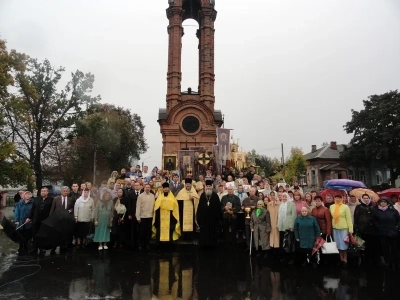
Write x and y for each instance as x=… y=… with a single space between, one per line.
x=94 y=163
x=143 y=160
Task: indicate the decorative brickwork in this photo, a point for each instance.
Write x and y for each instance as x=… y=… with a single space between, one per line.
x=189 y=118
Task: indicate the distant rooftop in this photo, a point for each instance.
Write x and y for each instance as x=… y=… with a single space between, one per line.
x=330 y=151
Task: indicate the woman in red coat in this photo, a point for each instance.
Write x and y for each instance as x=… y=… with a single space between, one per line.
x=323 y=216
x=324 y=220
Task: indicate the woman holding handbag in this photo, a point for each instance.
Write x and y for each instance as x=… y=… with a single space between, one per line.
x=118 y=225
x=286 y=216
x=386 y=219
x=365 y=228
x=342 y=226
x=324 y=220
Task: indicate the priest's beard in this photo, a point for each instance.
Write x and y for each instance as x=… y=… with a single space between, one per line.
x=166 y=194
x=208 y=193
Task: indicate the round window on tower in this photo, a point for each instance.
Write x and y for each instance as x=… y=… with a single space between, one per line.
x=190 y=124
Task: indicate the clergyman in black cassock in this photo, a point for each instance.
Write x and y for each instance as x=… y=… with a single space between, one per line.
x=209 y=216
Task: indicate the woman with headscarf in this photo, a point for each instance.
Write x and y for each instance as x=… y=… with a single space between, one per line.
x=103 y=216
x=113 y=178
x=365 y=228
x=260 y=225
x=83 y=212
x=353 y=203
x=119 y=217
x=342 y=226
x=386 y=220
x=260 y=196
x=273 y=209
x=306 y=230
x=286 y=217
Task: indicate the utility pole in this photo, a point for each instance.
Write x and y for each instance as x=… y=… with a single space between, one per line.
x=94 y=163
x=283 y=160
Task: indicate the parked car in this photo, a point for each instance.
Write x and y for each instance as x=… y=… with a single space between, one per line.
x=54 y=190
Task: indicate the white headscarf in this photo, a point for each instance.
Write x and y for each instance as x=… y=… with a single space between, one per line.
x=82 y=199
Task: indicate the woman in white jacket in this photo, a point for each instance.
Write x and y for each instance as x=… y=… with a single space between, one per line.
x=83 y=212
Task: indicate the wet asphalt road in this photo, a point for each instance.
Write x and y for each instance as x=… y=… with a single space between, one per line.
x=181 y=272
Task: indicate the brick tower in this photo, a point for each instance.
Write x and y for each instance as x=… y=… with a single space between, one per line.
x=189 y=118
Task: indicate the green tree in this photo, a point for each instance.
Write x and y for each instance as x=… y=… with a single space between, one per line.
x=376 y=133
x=266 y=165
x=295 y=165
x=38 y=115
x=117 y=134
x=14 y=171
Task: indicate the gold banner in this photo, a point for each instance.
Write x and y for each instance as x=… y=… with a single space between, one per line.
x=164 y=225
x=188 y=216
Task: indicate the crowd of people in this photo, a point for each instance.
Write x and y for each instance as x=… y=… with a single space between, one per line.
x=274 y=220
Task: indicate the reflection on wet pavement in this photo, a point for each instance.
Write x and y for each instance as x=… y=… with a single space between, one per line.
x=180 y=273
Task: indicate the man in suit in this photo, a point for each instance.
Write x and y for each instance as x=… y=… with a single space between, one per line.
x=63 y=202
x=175 y=186
x=40 y=211
x=132 y=195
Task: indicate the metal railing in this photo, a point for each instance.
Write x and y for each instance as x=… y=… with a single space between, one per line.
x=10 y=201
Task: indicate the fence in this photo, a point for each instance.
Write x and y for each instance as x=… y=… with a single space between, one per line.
x=10 y=201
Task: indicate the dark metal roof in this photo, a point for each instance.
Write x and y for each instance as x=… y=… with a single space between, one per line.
x=326 y=152
x=162 y=114
x=218 y=116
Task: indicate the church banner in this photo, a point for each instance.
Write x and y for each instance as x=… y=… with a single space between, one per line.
x=223 y=141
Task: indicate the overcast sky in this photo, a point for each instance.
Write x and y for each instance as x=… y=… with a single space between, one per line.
x=286 y=71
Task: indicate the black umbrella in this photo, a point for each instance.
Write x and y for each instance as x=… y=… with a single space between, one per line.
x=11 y=231
x=55 y=231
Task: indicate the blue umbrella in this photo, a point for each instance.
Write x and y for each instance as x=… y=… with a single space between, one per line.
x=345 y=184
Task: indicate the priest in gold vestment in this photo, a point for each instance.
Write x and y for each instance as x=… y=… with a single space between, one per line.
x=166 y=226
x=188 y=200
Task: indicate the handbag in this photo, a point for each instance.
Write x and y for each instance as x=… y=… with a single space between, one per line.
x=360 y=243
x=89 y=236
x=330 y=246
x=289 y=242
x=349 y=239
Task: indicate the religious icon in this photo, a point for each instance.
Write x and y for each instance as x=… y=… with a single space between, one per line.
x=169 y=162
x=230 y=184
x=186 y=160
x=157 y=183
x=246 y=188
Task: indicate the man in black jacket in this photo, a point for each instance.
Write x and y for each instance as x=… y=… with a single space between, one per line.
x=40 y=212
x=74 y=194
x=131 y=196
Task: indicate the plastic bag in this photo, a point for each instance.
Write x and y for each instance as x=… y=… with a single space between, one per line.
x=360 y=243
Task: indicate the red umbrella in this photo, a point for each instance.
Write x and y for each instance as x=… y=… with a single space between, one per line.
x=333 y=192
x=390 y=192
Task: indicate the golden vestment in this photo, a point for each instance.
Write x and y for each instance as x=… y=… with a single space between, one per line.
x=166 y=205
x=189 y=207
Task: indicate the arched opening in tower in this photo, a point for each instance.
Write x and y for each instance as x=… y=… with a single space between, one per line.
x=190 y=56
